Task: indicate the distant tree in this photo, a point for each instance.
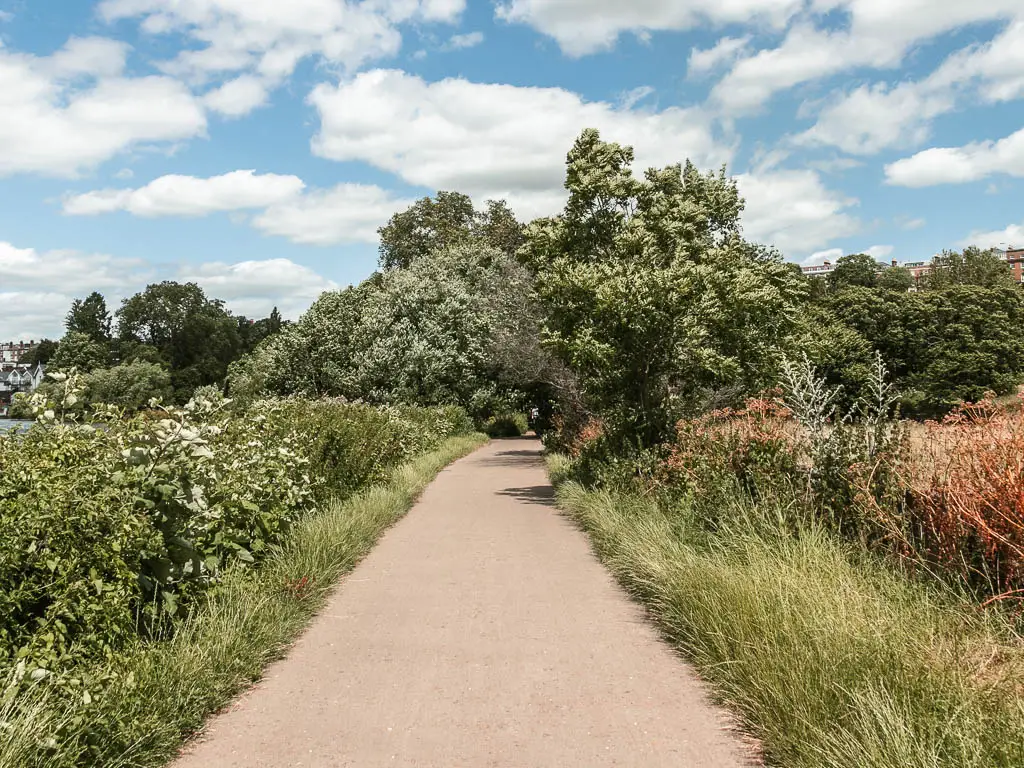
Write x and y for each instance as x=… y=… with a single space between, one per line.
x=895 y=279
x=195 y=336
x=854 y=269
x=41 y=353
x=972 y=266
x=449 y=220
x=252 y=332
x=78 y=350
x=89 y=316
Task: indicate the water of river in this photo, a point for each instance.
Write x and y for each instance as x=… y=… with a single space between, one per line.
x=8 y=424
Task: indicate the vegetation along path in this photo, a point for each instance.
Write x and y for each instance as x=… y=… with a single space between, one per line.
x=480 y=632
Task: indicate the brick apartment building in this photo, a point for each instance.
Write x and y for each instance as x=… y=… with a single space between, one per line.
x=11 y=352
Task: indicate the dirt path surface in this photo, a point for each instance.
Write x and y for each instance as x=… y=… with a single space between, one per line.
x=481 y=631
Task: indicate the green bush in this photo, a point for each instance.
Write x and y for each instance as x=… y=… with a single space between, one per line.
x=20 y=408
x=506 y=425
x=106 y=532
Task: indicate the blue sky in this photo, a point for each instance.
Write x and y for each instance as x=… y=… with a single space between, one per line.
x=256 y=145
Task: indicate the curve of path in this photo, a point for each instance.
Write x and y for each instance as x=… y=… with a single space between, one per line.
x=481 y=631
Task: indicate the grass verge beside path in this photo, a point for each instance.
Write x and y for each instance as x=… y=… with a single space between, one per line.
x=165 y=691
x=831 y=659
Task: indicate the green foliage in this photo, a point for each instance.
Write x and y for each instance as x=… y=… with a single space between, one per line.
x=896 y=279
x=506 y=425
x=78 y=351
x=194 y=335
x=650 y=295
x=21 y=408
x=157 y=694
x=432 y=225
x=106 y=532
x=129 y=385
x=89 y=317
x=972 y=266
x=41 y=353
x=445 y=330
x=858 y=269
x=941 y=346
x=831 y=658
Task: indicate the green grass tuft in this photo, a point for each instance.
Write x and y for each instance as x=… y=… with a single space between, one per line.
x=831 y=658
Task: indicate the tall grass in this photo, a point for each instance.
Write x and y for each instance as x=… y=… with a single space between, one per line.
x=831 y=658
x=162 y=692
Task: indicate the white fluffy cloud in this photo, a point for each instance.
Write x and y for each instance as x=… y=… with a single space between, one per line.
x=66 y=270
x=721 y=53
x=71 y=111
x=879 y=35
x=39 y=286
x=487 y=140
x=956 y=165
x=254 y=288
x=1012 y=236
x=872 y=118
x=794 y=211
x=175 y=195
x=238 y=97
x=586 y=26
x=468 y=40
x=348 y=213
x=266 y=39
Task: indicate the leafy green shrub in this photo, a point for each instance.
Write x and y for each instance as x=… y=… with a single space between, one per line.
x=506 y=425
x=105 y=532
x=20 y=407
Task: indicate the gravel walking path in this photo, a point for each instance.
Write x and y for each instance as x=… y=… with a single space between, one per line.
x=481 y=631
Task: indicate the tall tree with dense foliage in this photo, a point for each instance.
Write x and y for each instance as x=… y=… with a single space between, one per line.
x=454 y=327
x=81 y=352
x=854 y=269
x=652 y=296
x=89 y=316
x=194 y=335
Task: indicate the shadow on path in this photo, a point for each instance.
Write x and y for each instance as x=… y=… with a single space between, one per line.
x=534 y=494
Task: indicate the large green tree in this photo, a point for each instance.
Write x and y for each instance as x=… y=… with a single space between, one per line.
x=79 y=351
x=130 y=385
x=856 y=269
x=196 y=338
x=651 y=295
x=89 y=316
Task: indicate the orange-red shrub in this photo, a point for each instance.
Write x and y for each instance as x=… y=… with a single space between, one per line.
x=966 y=505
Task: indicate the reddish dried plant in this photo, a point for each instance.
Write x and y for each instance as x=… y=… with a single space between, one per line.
x=730 y=440
x=299 y=589
x=966 y=503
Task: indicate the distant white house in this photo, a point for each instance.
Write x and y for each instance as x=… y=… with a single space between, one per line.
x=17 y=378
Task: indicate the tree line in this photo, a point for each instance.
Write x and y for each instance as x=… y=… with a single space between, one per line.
x=640 y=303
x=164 y=342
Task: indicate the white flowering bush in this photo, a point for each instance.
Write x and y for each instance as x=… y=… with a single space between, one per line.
x=115 y=524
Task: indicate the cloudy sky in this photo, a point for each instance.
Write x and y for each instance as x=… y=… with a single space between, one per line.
x=256 y=145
